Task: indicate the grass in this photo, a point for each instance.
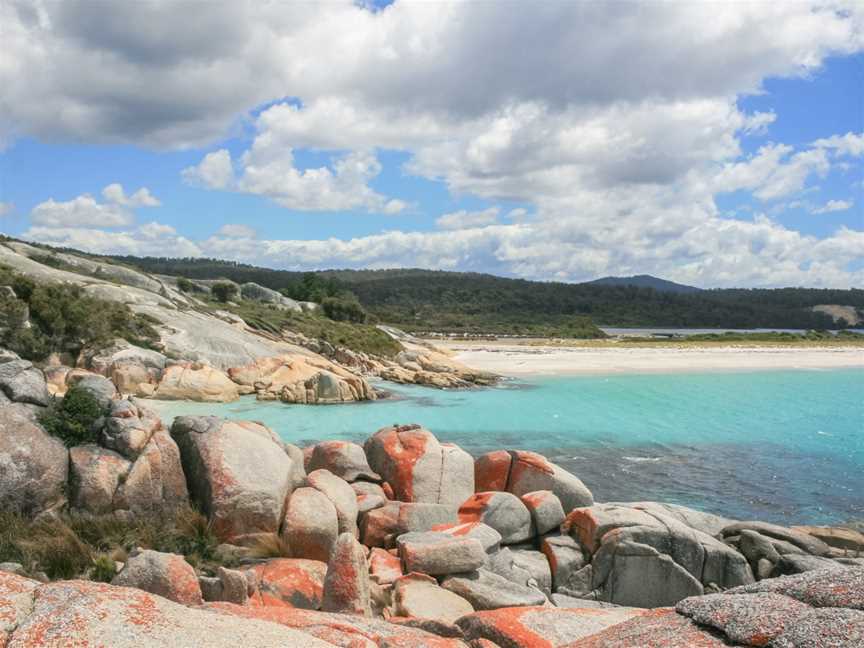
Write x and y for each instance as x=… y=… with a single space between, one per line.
x=73 y=546
x=364 y=338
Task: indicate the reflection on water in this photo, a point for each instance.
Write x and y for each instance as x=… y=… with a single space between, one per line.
x=786 y=446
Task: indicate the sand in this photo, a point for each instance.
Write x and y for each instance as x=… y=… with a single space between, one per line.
x=509 y=359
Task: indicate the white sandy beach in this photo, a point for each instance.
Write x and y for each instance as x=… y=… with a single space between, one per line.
x=512 y=359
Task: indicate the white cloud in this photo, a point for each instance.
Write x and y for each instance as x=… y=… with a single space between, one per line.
x=151 y=239
x=467 y=219
x=834 y=206
x=235 y=230
x=851 y=144
x=86 y=211
x=215 y=171
x=268 y=169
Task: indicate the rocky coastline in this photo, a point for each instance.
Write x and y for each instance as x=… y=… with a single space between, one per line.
x=402 y=541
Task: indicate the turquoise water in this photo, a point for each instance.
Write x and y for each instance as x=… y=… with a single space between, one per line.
x=786 y=446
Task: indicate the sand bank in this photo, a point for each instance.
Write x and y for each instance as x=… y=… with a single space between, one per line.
x=511 y=359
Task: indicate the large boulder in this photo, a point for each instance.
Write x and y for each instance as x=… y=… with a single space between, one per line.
x=486 y=590
x=804 y=541
x=155 y=482
x=34 y=466
x=134 y=370
x=418 y=595
x=346 y=585
x=521 y=472
x=238 y=472
x=196 y=382
x=295 y=581
x=648 y=560
x=311 y=525
x=260 y=293
x=439 y=554
x=83 y=613
x=660 y=628
x=699 y=520
x=565 y=559
x=99 y=387
x=344 y=459
x=341 y=494
x=165 y=574
x=95 y=474
x=504 y=512
x=381 y=526
x=128 y=427
x=418 y=467
x=546 y=510
x=817 y=588
x=23 y=383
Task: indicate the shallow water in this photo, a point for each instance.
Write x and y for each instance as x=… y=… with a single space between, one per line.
x=785 y=446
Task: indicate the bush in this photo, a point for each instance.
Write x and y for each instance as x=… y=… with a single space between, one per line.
x=63 y=318
x=74 y=418
x=344 y=308
x=223 y=291
x=184 y=285
x=104 y=569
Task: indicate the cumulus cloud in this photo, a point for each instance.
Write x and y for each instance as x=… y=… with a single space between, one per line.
x=86 y=211
x=466 y=219
x=268 y=169
x=834 y=206
x=150 y=239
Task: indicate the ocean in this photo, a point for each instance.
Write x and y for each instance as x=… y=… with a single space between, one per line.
x=780 y=446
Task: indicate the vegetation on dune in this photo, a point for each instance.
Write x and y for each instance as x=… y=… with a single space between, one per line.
x=424 y=300
x=72 y=418
x=364 y=338
x=62 y=318
x=75 y=546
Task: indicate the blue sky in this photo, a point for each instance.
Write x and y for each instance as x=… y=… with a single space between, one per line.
x=730 y=159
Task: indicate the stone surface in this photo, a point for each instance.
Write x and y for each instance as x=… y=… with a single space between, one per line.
x=488 y=591
x=128 y=428
x=94 y=476
x=541 y=627
x=699 y=520
x=492 y=471
x=96 y=614
x=238 y=472
x=440 y=554
x=750 y=619
x=532 y=472
x=155 y=482
x=415 y=464
x=344 y=459
x=23 y=383
x=418 y=595
x=102 y=389
x=536 y=565
x=347 y=631
x=546 y=510
x=311 y=525
x=504 y=512
x=384 y=567
x=565 y=558
x=34 y=466
x=196 y=382
x=837 y=537
x=819 y=588
x=486 y=535
x=295 y=581
x=798 y=564
x=826 y=627
x=341 y=494
x=381 y=526
x=165 y=574
x=660 y=628
x=346 y=585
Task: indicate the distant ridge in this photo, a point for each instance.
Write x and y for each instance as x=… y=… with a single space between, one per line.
x=646 y=281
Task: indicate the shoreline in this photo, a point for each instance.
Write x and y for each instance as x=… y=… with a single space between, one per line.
x=513 y=359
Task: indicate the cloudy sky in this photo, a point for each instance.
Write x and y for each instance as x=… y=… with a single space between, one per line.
x=713 y=143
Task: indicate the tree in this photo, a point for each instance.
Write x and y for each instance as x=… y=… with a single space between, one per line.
x=224 y=291
x=344 y=308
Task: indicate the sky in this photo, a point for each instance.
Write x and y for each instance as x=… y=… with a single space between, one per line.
x=712 y=143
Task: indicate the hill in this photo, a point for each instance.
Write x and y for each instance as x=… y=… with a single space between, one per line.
x=645 y=281
x=429 y=300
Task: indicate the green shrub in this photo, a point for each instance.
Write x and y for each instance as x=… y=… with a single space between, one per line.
x=73 y=419
x=184 y=285
x=223 y=291
x=344 y=308
x=104 y=569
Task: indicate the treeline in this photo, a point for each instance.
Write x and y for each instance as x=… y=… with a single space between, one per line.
x=453 y=301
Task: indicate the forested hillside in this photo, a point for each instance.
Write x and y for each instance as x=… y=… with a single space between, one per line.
x=454 y=301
